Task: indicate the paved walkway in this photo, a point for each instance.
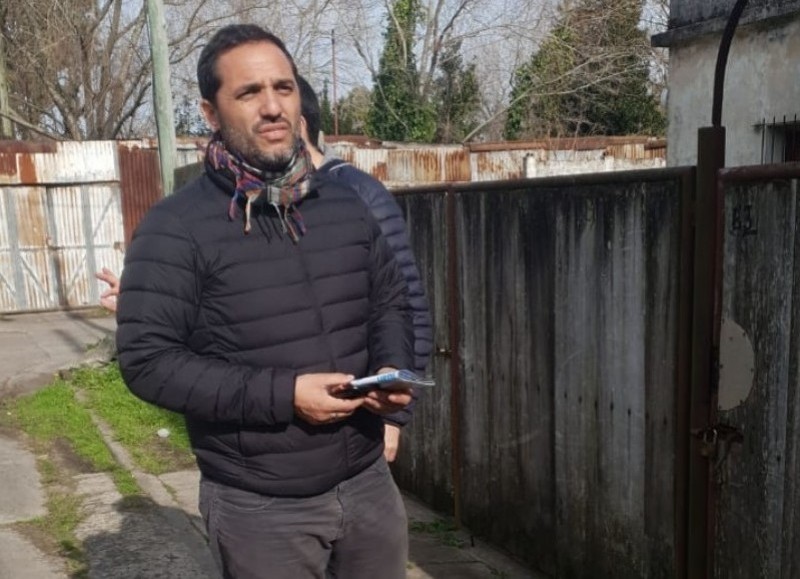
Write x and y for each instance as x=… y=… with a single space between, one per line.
x=160 y=536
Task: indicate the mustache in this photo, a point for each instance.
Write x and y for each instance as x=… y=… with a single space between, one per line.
x=272 y=122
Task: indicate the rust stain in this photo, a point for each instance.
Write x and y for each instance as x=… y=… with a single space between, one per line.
x=140 y=185
x=27 y=169
x=381 y=172
x=424 y=167
x=456 y=166
x=31 y=229
x=564 y=143
x=8 y=163
x=14 y=147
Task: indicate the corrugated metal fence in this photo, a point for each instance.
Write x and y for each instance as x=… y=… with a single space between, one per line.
x=66 y=210
x=60 y=221
x=561 y=334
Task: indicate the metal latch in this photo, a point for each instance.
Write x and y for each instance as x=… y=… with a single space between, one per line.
x=716 y=442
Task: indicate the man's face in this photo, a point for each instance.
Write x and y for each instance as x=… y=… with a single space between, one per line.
x=257 y=108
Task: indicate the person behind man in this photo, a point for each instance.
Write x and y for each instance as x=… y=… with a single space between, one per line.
x=387 y=212
x=249 y=299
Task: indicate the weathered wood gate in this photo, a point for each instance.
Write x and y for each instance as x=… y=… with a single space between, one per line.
x=563 y=426
x=559 y=427
x=755 y=482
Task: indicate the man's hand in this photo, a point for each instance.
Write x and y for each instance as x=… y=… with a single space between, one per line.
x=108 y=299
x=391 y=441
x=387 y=401
x=315 y=399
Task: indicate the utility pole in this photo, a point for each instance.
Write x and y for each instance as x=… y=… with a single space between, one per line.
x=162 y=94
x=6 y=130
x=335 y=103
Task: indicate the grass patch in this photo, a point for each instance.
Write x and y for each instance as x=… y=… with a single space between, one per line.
x=52 y=416
x=134 y=422
x=63 y=516
x=445 y=531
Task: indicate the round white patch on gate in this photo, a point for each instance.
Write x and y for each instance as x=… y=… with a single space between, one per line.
x=736 y=365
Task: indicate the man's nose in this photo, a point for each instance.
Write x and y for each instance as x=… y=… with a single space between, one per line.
x=270 y=105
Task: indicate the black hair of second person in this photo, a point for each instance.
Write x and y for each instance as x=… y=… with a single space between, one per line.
x=225 y=39
x=309 y=108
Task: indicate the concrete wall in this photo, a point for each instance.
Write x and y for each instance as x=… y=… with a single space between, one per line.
x=761 y=82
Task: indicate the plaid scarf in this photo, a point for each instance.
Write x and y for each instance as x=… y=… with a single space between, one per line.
x=282 y=190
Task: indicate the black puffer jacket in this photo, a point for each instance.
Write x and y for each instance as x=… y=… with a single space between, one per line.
x=216 y=324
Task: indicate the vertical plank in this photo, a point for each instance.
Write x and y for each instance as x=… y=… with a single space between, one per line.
x=790 y=545
x=757 y=288
x=8 y=285
x=506 y=240
x=601 y=352
x=423 y=465
x=577 y=399
x=662 y=359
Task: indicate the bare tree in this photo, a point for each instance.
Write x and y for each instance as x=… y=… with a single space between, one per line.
x=81 y=69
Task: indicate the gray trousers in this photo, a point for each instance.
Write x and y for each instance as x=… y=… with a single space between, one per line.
x=356 y=530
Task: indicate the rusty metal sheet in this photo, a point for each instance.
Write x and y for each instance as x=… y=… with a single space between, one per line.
x=372 y=161
x=140 y=184
x=497 y=165
x=404 y=165
x=52 y=240
x=65 y=162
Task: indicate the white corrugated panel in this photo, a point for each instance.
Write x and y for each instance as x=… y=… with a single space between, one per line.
x=32 y=265
x=87 y=226
x=8 y=290
x=78 y=162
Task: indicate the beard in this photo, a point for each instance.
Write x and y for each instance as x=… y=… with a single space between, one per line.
x=275 y=162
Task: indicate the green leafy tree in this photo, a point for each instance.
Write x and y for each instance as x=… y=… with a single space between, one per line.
x=398 y=113
x=589 y=76
x=457 y=97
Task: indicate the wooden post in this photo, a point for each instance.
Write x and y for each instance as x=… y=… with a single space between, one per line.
x=6 y=130
x=333 y=62
x=162 y=94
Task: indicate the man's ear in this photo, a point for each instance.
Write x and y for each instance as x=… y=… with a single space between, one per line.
x=304 y=129
x=210 y=113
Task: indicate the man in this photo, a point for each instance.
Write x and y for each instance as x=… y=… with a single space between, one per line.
x=249 y=299
x=388 y=214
